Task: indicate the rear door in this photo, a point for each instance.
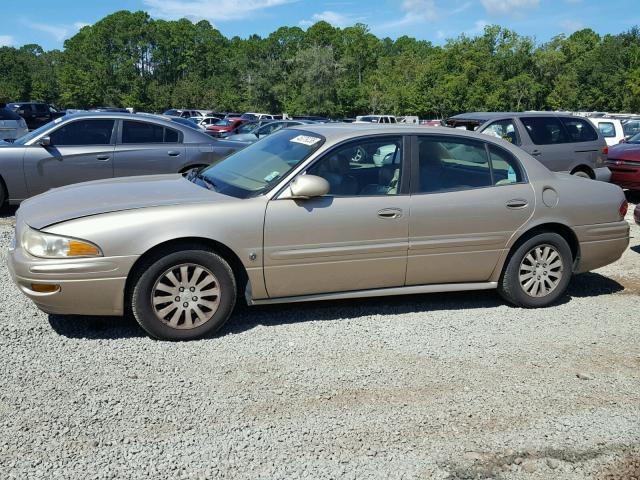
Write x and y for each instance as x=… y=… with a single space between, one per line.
x=586 y=143
x=468 y=198
x=80 y=150
x=145 y=148
x=547 y=140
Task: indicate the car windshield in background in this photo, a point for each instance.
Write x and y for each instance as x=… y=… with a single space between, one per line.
x=222 y=123
x=6 y=114
x=248 y=127
x=635 y=138
x=369 y=119
x=257 y=168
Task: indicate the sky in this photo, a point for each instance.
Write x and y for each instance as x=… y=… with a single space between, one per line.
x=49 y=22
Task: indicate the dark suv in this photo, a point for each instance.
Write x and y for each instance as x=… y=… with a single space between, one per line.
x=562 y=142
x=35 y=114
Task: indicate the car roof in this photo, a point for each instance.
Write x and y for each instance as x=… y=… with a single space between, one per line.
x=486 y=116
x=341 y=131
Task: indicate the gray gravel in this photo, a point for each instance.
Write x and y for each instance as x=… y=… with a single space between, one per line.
x=430 y=387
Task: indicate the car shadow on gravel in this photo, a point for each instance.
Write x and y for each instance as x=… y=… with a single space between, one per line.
x=246 y=318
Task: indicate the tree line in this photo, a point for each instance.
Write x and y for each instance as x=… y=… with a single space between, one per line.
x=129 y=59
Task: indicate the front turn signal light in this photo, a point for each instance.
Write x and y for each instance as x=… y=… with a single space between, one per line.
x=81 y=249
x=44 y=288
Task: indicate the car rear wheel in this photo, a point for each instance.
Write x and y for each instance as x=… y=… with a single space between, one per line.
x=582 y=174
x=538 y=272
x=183 y=295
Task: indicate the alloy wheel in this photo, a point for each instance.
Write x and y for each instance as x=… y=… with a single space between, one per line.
x=186 y=296
x=541 y=271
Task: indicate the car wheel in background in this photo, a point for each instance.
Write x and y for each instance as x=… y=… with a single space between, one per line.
x=3 y=195
x=183 y=294
x=582 y=174
x=538 y=272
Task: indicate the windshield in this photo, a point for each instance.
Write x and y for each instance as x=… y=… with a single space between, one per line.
x=635 y=138
x=37 y=132
x=249 y=116
x=248 y=127
x=223 y=123
x=369 y=119
x=257 y=168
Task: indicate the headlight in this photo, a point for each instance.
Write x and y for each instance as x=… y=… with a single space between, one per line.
x=45 y=245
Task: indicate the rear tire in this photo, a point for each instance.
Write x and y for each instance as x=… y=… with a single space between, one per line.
x=582 y=174
x=183 y=294
x=538 y=272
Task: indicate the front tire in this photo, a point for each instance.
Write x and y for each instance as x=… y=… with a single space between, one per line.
x=183 y=294
x=538 y=272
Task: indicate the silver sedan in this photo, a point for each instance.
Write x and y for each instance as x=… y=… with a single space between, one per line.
x=314 y=213
x=92 y=146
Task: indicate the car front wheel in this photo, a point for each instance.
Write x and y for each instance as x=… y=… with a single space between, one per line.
x=538 y=272
x=183 y=295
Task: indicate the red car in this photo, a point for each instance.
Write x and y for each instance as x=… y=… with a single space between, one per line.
x=224 y=127
x=624 y=163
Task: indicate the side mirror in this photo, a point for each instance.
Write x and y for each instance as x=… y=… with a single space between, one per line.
x=45 y=141
x=308 y=186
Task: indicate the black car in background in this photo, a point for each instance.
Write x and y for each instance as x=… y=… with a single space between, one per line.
x=34 y=113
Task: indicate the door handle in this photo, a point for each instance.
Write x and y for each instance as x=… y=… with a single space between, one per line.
x=536 y=153
x=517 y=204
x=103 y=158
x=173 y=153
x=390 y=213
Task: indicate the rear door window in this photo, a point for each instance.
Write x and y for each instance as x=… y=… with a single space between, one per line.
x=506 y=169
x=581 y=130
x=83 y=132
x=134 y=132
x=545 y=130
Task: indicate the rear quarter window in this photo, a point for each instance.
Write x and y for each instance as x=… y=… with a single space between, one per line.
x=607 y=129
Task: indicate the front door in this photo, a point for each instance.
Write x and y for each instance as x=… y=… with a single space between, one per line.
x=80 y=151
x=354 y=238
x=469 y=198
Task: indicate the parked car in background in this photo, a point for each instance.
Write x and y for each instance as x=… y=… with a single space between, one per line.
x=313 y=118
x=561 y=142
x=256 y=116
x=409 y=119
x=185 y=113
x=34 y=113
x=94 y=146
x=624 y=163
x=432 y=123
x=292 y=218
x=376 y=119
x=267 y=129
x=12 y=125
x=611 y=129
x=636 y=214
x=224 y=127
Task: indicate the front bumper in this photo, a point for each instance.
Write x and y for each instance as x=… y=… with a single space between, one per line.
x=90 y=286
x=625 y=174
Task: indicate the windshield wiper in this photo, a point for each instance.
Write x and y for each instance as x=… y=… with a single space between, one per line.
x=209 y=184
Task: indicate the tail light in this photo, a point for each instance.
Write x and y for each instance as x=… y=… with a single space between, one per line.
x=624 y=207
x=605 y=150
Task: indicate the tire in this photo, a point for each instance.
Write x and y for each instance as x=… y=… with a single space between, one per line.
x=160 y=294
x=3 y=196
x=518 y=290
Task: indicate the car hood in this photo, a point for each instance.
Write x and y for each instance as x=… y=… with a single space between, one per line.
x=112 y=195
x=624 y=151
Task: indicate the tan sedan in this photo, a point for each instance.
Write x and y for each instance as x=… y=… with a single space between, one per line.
x=314 y=213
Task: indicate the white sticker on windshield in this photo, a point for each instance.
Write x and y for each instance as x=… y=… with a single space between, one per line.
x=272 y=176
x=305 y=140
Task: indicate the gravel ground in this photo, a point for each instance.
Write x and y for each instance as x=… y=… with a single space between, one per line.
x=431 y=387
